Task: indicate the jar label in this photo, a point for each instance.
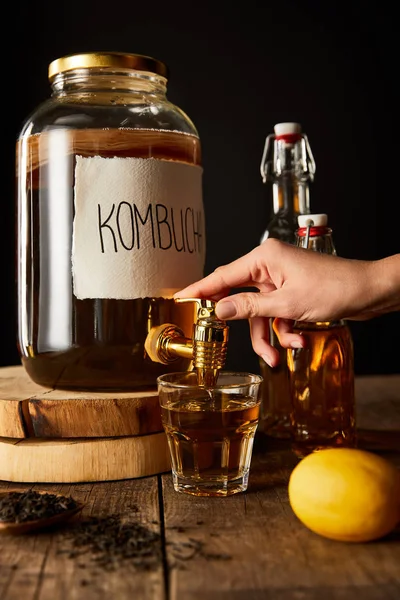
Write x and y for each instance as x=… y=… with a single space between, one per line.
x=138 y=229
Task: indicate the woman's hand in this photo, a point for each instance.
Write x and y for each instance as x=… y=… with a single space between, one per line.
x=294 y=284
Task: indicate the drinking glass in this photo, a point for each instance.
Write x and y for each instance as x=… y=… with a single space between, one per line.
x=210 y=431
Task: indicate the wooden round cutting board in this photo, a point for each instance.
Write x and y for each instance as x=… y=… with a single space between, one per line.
x=71 y=461
x=28 y=410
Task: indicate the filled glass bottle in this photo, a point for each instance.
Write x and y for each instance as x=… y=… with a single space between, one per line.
x=287 y=167
x=110 y=222
x=321 y=375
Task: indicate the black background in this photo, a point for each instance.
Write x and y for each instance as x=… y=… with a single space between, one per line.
x=236 y=70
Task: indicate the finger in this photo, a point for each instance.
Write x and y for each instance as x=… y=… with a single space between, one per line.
x=259 y=331
x=248 y=305
x=218 y=284
x=212 y=287
x=284 y=330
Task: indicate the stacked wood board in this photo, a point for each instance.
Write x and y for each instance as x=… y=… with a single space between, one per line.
x=58 y=436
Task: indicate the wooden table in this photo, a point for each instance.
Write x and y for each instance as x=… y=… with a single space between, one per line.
x=249 y=546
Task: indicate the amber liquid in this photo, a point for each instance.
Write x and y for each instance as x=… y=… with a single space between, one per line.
x=275 y=394
x=93 y=343
x=211 y=449
x=322 y=388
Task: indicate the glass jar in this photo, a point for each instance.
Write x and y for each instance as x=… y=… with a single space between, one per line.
x=110 y=223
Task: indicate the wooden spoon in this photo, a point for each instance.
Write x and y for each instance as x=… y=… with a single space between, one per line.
x=11 y=527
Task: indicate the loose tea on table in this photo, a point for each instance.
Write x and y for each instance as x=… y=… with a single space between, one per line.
x=111 y=542
x=20 y=507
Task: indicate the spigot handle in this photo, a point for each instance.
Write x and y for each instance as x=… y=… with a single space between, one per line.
x=205 y=308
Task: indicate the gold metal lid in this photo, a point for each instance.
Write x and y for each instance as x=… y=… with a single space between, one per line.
x=136 y=62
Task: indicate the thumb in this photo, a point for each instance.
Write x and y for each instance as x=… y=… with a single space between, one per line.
x=247 y=305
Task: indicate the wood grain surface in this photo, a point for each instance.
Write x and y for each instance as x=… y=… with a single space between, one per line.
x=30 y=410
x=254 y=547
x=35 y=460
x=246 y=547
x=36 y=567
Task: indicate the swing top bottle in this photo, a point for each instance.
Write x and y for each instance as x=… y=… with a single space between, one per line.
x=287 y=168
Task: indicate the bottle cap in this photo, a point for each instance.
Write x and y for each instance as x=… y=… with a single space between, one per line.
x=319 y=220
x=282 y=129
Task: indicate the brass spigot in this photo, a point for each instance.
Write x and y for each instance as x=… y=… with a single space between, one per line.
x=207 y=348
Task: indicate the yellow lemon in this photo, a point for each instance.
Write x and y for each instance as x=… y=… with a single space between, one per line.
x=346 y=494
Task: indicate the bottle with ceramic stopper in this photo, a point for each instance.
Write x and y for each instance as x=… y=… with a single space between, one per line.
x=321 y=375
x=287 y=168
